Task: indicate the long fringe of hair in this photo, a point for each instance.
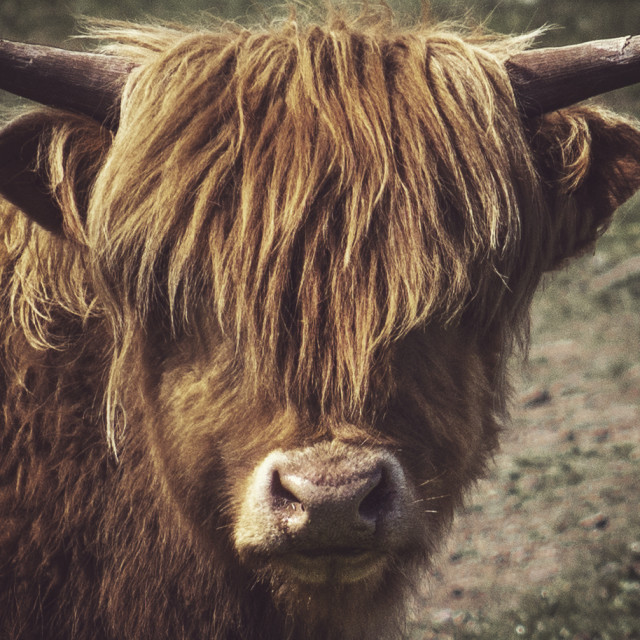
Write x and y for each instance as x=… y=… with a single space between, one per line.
x=318 y=191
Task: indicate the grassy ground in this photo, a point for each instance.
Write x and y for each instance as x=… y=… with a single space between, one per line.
x=549 y=545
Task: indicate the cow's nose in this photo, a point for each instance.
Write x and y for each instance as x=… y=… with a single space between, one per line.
x=334 y=505
x=356 y=501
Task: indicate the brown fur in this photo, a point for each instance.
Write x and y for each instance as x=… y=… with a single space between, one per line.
x=299 y=234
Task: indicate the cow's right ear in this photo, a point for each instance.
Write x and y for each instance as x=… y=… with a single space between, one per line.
x=48 y=163
x=589 y=161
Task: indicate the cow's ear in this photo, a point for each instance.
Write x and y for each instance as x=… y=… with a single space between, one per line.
x=589 y=160
x=48 y=162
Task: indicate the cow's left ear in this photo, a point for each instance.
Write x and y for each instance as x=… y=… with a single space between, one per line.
x=48 y=162
x=589 y=160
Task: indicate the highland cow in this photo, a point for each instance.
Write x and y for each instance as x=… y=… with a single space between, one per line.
x=259 y=288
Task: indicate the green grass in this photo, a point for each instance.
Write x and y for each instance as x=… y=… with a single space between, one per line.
x=599 y=599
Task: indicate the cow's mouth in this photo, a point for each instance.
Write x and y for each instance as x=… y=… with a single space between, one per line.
x=332 y=565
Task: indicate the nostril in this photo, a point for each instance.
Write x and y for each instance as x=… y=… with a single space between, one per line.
x=377 y=500
x=281 y=496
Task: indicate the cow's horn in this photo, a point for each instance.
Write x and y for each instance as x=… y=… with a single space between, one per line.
x=543 y=79
x=88 y=83
x=548 y=79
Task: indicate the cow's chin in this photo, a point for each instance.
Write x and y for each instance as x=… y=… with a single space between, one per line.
x=343 y=594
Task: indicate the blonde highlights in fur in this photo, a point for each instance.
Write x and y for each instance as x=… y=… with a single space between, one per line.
x=320 y=191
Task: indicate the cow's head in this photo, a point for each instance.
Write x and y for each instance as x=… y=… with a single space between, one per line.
x=320 y=244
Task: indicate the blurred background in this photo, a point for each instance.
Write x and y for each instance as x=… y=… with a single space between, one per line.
x=549 y=544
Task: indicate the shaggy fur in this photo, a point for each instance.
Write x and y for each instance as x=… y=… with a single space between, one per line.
x=299 y=234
